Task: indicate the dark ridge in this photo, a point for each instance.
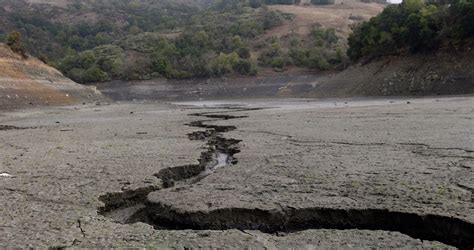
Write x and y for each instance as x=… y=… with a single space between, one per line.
x=451 y=231
x=128 y=198
x=173 y=174
x=222 y=117
x=9 y=127
x=218 y=129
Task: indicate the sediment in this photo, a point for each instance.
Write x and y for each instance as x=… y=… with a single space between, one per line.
x=445 y=229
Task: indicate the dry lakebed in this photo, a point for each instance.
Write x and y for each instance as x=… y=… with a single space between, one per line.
x=275 y=174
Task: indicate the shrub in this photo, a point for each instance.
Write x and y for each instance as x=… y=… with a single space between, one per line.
x=95 y=74
x=245 y=67
x=273 y=56
x=14 y=42
x=162 y=64
x=223 y=64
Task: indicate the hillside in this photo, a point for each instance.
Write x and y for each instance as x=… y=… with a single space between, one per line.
x=139 y=40
x=447 y=71
x=27 y=82
x=339 y=16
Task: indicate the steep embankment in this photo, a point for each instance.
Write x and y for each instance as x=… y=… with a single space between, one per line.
x=448 y=71
x=26 y=82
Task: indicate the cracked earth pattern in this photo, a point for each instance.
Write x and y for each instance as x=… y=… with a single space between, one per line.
x=414 y=159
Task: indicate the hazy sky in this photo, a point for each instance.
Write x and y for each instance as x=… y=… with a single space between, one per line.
x=394 y=1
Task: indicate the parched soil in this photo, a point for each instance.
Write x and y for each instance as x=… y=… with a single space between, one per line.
x=376 y=173
x=30 y=82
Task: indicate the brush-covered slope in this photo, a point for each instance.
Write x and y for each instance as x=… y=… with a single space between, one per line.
x=182 y=39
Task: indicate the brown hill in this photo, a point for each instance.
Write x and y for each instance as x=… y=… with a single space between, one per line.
x=339 y=16
x=25 y=82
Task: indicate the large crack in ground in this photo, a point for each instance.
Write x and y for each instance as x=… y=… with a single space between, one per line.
x=10 y=127
x=132 y=206
x=129 y=206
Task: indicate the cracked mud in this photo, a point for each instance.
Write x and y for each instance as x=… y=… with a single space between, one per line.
x=220 y=153
x=131 y=206
x=298 y=174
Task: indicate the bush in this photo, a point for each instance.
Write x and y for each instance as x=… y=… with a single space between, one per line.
x=14 y=42
x=87 y=67
x=278 y=62
x=299 y=56
x=271 y=19
x=245 y=67
x=95 y=74
x=162 y=65
x=323 y=37
x=317 y=59
x=110 y=59
x=223 y=64
x=273 y=56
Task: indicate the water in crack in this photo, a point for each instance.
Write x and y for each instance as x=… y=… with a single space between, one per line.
x=129 y=206
x=220 y=160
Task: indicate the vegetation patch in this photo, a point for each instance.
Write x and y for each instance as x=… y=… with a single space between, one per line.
x=412 y=27
x=133 y=40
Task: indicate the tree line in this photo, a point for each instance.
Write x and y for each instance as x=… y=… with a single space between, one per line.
x=412 y=27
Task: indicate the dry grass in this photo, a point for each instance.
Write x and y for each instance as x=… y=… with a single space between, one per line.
x=329 y=16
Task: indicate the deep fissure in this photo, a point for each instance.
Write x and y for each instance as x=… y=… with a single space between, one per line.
x=132 y=206
x=10 y=127
x=128 y=206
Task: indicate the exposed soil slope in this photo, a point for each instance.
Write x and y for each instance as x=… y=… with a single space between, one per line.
x=339 y=16
x=446 y=72
x=31 y=82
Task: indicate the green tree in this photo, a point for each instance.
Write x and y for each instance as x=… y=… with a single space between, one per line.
x=95 y=74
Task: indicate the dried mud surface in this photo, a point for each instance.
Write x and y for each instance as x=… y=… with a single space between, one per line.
x=297 y=174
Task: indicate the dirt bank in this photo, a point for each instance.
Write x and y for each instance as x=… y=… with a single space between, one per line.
x=30 y=82
x=446 y=72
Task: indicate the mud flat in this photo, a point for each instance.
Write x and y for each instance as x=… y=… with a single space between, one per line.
x=383 y=173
